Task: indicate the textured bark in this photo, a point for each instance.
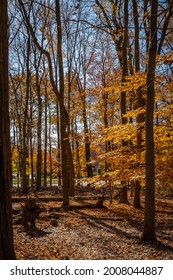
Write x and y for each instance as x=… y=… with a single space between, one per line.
x=149 y=216
x=39 y=126
x=123 y=198
x=78 y=165
x=31 y=143
x=82 y=90
x=25 y=136
x=6 y=232
x=87 y=140
x=140 y=117
x=58 y=146
x=67 y=165
x=45 y=138
x=50 y=147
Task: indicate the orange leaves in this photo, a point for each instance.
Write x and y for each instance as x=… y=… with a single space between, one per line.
x=132 y=83
x=118 y=133
x=165 y=59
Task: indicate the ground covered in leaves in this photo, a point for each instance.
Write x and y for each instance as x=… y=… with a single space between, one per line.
x=83 y=232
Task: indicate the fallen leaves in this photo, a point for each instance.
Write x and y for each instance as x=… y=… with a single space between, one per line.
x=101 y=235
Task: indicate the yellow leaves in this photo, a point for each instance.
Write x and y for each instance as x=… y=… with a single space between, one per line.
x=165 y=59
x=135 y=113
x=133 y=83
x=119 y=132
x=163 y=154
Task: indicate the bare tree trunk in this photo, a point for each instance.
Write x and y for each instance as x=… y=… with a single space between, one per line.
x=82 y=90
x=140 y=117
x=136 y=202
x=6 y=230
x=78 y=165
x=123 y=196
x=31 y=147
x=39 y=126
x=50 y=148
x=25 y=151
x=67 y=161
x=45 y=138
x=19 y=130
x=149 y=216
x=58 y=146
x=87 y=140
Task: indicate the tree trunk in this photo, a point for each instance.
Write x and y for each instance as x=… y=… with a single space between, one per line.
x=25 y=151
x=82 y=90
x=87 y=140
x=78 y=165
x=31 y=142
x=50 y=147
x=6 y=231
x=140 y=117
x=45 y=137
x=136 y=202
x=123 y=194
x=123 y=197
x=58 y=146
x=39 y=126
x=67 y=160
x=149 y=216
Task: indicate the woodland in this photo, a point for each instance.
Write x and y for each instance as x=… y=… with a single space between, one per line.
x=86 y=129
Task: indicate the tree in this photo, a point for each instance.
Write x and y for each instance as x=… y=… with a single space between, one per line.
x=140 y=117
x=66 y=156
x=25 y=151
x=149 y=218
x=123 y=197
x=6 y=232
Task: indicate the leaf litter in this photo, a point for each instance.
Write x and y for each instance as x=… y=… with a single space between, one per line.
x=85 y=233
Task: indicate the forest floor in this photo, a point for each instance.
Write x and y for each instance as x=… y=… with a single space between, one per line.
x=84 y=232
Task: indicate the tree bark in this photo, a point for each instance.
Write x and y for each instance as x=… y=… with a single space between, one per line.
x=58 y=146
x=39 y=125
x=149 y=216
x=6 y=231
x=50 y=147
x=87 y=140
x=82 y=90
x=67 y=160
x=31 y=142
x=45 y=136
x=123 y=197
x=136 y=202
x=25 y=136
x=140 y=117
